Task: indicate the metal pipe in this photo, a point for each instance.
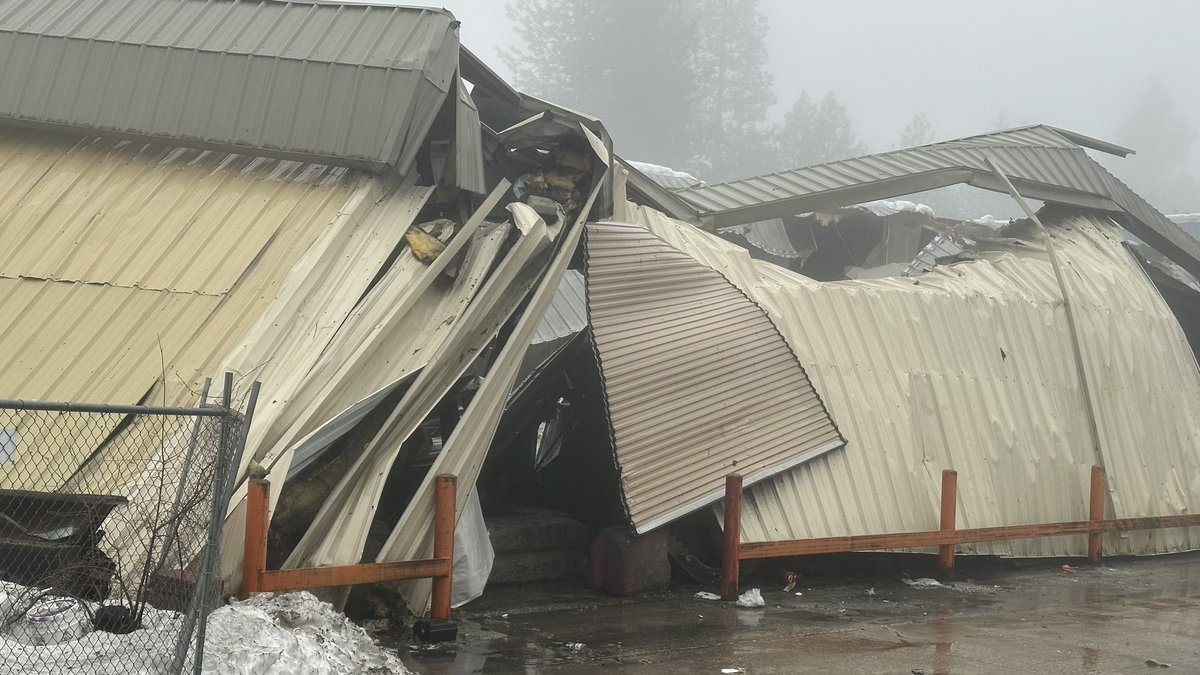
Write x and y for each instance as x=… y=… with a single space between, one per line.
x=1073 y=329
x=56 y=406
x=212 y=561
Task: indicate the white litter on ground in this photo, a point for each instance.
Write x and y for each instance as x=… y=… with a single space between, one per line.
x=285 y=633
x=923 y=582
x=957 y=586
x=705 y=595
x=751 y=598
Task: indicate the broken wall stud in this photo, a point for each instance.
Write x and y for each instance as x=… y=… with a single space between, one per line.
x=733 y=537
x=1096 y=514
x=949 y=506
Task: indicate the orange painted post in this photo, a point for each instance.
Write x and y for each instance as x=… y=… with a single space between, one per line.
x=949 y=506
x=254 y=562
x=1096 y=513
x=733 y=537
x=443 y=545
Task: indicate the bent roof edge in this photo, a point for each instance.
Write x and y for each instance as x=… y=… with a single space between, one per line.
x=1044 y=162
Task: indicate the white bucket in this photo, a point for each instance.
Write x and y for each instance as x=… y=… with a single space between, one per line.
x=50 y=622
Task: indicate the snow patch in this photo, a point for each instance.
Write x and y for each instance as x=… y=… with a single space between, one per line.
x=285 y=633
x=290 y=633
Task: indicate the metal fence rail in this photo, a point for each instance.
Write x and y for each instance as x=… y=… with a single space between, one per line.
x=110 y=519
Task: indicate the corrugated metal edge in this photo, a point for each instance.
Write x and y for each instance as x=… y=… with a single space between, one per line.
x=719 y=491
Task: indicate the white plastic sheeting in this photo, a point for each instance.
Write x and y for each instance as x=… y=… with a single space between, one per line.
x=473 y=554
x=970 y=367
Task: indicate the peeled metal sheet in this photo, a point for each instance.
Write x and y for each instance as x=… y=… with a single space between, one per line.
x=464 y=451
x=970 y=367
x=468 y=142
x=698 y=382
x=339 y=530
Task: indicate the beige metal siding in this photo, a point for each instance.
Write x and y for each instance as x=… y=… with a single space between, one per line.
x=319 y=81
x=83 y=342
x=970 y=367
x=122 y=256
x=144 y=215
x=698 y=382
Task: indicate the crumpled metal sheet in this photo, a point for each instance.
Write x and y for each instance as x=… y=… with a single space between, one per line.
x=970 y=367
x=698 y=382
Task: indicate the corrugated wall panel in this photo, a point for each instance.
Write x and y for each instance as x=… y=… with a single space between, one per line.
x=970 y=367
x=687 y=404
x=83 y=342
x=145 y=215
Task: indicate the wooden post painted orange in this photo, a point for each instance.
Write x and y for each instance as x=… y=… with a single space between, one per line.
x=351 y=575
x=255 y=547
x=1096 y=514
x=949 y=506
x=733 y=537
x=443 y=546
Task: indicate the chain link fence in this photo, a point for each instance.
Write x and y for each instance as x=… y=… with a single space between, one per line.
x=110 y=519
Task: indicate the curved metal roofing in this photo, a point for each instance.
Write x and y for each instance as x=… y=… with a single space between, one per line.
x=686 y=404
x=970 y=367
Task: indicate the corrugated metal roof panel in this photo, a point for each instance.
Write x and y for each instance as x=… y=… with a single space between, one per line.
x=567 y=313
x=1043 y=162
x=687 y=405
x=969 y=367
x=468 y=143
x=355 y=83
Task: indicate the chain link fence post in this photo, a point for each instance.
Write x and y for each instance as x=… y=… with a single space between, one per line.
x=110 y=520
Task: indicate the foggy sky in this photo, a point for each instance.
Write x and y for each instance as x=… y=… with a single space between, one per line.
x=1077 y=64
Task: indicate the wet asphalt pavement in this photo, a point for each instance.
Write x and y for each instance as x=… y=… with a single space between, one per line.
x=1129 y=616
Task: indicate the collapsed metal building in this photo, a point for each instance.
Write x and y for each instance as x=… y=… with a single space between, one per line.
x=342 y=203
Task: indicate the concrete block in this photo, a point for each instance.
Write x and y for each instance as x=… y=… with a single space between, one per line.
x=527 y=566
x=624 y=563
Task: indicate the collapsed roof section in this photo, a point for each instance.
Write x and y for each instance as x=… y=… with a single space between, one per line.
x=1043 y=162
x=337 y=84
x=686 y=406
x=970 y=367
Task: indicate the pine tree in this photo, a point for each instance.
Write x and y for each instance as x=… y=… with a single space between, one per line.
x=918 y=132
x=732 y=90
x=1163 y=141
x=625 y=62
x=814 y=133
x=676 y=82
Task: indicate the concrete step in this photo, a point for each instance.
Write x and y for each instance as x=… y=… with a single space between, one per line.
x=526 y=529
x=527 y=566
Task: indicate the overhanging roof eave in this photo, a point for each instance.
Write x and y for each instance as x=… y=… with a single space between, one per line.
x=837 y=198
